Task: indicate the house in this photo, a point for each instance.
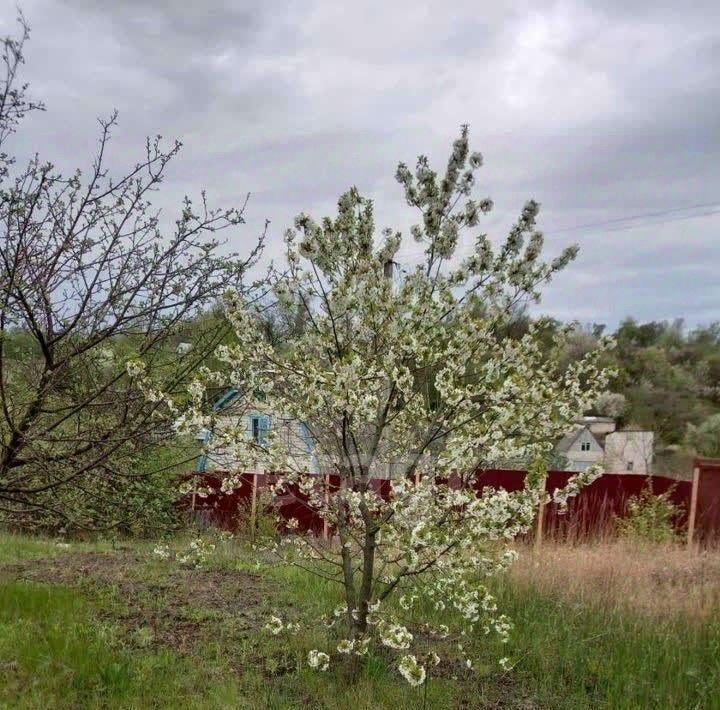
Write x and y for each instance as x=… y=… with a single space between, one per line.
x=596 y=440
x=593 y=440
x=256 y=423
x=580 y=448
x=294 y=434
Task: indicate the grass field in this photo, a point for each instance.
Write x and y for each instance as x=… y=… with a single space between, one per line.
x=89 y=625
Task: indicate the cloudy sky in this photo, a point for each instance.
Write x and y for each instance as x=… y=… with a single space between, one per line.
x=606 y=112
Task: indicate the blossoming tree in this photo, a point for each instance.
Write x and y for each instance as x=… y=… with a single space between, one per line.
x=410 y=379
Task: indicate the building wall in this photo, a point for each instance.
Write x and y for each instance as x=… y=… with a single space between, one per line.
x=629 y=452
x=291 y=432
x=624 y=452
x=300 y=446
x=582 y=460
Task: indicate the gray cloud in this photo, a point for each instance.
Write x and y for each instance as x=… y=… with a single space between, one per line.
x=600 y=110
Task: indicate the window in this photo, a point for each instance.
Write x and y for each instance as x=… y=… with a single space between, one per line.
x=259 y=427
x=585 y=446
x=630 y=465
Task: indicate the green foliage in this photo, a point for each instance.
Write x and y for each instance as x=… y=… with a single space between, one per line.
x=149 y=502
x=140 y=500
x=667 y=377
x=144 y=506
x=705 y=438
x=263 y=526
x=649 y=518
x=537 y=473
x=134 y=489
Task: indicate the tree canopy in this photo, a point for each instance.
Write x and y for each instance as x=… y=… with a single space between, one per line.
x=89 y=279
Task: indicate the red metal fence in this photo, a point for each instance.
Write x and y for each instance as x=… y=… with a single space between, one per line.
x=589 y=514
x=592 y=512
x=706 y=494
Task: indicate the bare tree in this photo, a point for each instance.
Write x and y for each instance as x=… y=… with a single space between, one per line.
x=87 y=280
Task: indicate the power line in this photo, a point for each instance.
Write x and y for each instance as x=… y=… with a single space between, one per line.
x=679 y=218
x=645 y=215
x=468 y=249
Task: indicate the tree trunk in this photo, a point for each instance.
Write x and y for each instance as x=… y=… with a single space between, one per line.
x=368 y=569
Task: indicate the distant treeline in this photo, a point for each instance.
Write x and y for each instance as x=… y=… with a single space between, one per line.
x=668 y=382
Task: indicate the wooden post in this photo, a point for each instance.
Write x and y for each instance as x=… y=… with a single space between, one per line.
x=326 y=527
x=253 y=507
x=693 y=506
x=539 y=528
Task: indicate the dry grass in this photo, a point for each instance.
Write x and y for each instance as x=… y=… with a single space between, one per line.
x=650 y=579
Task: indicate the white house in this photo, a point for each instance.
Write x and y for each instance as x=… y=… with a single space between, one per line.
x=293 y=433
x=596 y=440
x=580 y=448
x=257 y=423
x=592 y=440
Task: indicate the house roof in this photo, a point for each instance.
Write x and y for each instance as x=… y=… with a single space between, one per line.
x=225 y=402
x=225 y=399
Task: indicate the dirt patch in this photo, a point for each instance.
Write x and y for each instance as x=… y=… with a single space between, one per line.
x=175 y=607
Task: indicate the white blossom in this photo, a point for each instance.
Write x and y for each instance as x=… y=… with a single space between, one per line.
x=162 y=551
x=318 y=660
x=411 y=670
x=396 y=636
x=197 y=553
x=274 y=625
x=135 y=368
x=346 y=646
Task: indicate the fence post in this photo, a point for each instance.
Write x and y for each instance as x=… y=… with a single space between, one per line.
x=693 y=506
x=253 y=507
x=539 y=528
x=326 y=527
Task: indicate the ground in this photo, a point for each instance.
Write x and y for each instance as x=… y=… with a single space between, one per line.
x=102 y=626
x=178 y=609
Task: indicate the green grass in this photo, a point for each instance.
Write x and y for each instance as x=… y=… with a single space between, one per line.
x=578 y=656
x=54 y=653
x=14 y=548
x=67 y=648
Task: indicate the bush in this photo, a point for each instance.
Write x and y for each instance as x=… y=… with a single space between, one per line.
x=705 y=438
x=650 y=518
x=265 y=525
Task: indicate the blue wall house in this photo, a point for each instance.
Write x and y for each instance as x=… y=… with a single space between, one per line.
x=257 y=425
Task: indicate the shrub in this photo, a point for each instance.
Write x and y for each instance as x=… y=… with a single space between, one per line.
x=650 y=517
